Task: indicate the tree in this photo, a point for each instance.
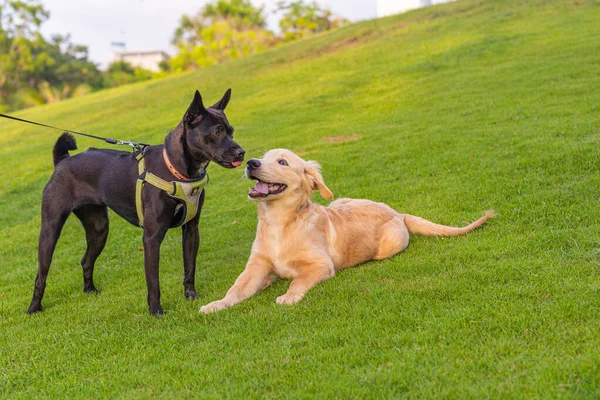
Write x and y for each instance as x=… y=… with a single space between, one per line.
x=33 y=70
x=69 y=72
x=303 y=19
x=240 y=14
x=19 y=25
x=21 y=18
x=227 y=29
x=220 y=31
x=121 y=73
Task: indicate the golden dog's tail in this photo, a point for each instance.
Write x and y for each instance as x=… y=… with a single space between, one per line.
x=419 y=225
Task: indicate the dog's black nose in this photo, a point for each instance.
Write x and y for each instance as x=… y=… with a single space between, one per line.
x=239 y=153
x=253 y=163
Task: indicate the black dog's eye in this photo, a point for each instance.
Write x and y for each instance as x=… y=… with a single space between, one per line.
x=217 y=133
x=282 y=162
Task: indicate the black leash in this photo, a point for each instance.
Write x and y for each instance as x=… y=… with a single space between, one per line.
x=136 y=146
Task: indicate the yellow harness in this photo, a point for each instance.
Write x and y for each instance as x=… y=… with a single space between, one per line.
x=187 y=192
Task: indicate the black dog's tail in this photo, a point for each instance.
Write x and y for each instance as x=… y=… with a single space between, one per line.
x=65 y=142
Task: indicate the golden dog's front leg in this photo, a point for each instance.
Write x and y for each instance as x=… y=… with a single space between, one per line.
x=255 y=277
x=308 y=277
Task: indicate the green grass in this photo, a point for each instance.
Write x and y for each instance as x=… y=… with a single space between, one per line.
x=457 y=108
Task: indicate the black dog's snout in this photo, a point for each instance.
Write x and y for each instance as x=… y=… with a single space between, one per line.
x=239 y=152
x=253 y=164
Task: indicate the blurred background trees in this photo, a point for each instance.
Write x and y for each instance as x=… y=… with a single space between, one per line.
x=228 y=29
x=301 y=19
x=220 y=31
x=34 y=70
x=121 y=73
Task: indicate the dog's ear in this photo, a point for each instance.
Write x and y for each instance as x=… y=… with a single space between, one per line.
x=195 y=109
x=312 y=169
x=221 y=104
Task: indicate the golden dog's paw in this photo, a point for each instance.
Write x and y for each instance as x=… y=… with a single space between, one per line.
x=212 y=307
x=289 y=299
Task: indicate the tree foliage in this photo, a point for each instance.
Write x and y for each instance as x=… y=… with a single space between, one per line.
x=302 y=19
x=121 y=73
x=240 y=14
x=220 y=31
x=34 y=70
x=228 y=29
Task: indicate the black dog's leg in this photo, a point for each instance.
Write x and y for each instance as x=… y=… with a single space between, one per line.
x=95 y=222
x=153 y=237
x=190 y=242
x=52 y=224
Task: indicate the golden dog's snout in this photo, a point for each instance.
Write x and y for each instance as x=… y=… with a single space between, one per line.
x=252 y=164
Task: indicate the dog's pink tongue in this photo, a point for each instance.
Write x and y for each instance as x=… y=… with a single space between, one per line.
x=262 y=187
x=236 y=163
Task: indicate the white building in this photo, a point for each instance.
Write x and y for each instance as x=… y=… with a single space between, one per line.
x=390 y=7
x=145 y=59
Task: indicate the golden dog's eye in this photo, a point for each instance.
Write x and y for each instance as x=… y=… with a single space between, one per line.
x=282 y=162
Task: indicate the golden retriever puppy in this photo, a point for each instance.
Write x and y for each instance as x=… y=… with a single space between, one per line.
x=306 y=242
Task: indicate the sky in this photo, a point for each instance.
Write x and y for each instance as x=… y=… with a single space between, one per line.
x=149 y=24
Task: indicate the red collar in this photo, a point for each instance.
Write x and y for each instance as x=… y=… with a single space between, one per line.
x=172 y=168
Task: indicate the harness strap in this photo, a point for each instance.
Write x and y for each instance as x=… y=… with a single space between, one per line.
x=138 y=188
x=187 y=192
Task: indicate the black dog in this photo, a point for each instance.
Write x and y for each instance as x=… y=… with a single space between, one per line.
x=89 y=182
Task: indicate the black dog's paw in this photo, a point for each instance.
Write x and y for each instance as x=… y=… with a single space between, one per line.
x=34 y=308
x=91 y=289
x=157 y=311
x=190 y=294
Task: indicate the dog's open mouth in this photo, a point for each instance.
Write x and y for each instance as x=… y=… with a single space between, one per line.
x=263 y=189
x=228 y=164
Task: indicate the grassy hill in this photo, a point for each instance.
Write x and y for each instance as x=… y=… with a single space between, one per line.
x=442 y=113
